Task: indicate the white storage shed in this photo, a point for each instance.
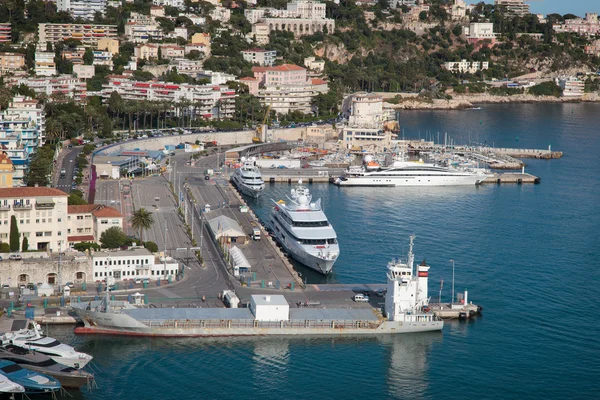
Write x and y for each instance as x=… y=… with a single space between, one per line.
x=269 y=307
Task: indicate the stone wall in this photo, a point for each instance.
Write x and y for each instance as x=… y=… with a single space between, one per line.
x=37 y=271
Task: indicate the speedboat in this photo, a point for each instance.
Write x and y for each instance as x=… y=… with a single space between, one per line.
x=33 y=382
x=32 y=339
x=8 y=386
x=67 y=376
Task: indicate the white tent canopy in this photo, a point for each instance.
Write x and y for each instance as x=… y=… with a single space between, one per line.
x=238 y=257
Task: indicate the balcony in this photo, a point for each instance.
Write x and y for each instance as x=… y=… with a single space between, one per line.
x=44 y=206
x=4 y=207
x=20 y=207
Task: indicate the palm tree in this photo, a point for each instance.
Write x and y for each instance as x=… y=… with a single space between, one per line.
x=141 y=219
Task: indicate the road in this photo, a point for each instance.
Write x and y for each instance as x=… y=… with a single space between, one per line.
x=68 y=164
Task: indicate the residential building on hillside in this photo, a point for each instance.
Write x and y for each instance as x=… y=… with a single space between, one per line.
x=196 y=20
x=44 y=63
x=571 y=86
x=41 y=214
x=458 y=10
x=314 y=65
x=302 y=17
x=260 y=33
x=285 y=88
x=138 y=32
x=84 y=9
x=11 y=62
x=87 y=223
x=513 y=7
x=88 y=34
x=209 y=101
x=171 y=3
x=593 y=49
x=220 y=14
x=479 y=31
x=201 y=38
x=464 y=66
x=178 y=32
x=188 y=48
x=187 y=67
x=6 y=171
x=103 y=58
x=66 y=85
x=260 y=56
x=109 y=44
x=74 y=55
x=157 y=11
x=588 y=26
x=84 y=71
x=171 y=51
x=5 y=32
x=146 y=51
x=364 y=131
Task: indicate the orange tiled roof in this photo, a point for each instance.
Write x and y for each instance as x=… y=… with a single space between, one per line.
x=81 y=238
x=31 y=192
x=81 y=209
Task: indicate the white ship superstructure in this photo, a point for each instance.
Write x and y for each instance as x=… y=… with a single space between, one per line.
x=412 y=173
x=303 y=230
x=248 y=179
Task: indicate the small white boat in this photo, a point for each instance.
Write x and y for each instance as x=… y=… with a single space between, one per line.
x=8 y=386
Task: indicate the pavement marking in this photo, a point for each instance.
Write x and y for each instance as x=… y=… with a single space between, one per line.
x=168 y=293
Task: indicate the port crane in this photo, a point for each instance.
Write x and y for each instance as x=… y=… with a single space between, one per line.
x=259 y=128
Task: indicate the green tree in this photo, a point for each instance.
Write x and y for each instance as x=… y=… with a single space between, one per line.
x=14 y=235
x=4 y=248
x=25 y=246
x=113 y=238
x=86 y=246
x=151 y=246
x=75 y=200
x=88 y=56
x=142 y=219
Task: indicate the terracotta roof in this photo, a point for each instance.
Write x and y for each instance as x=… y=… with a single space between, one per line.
x=287 y=67
x=31 y=192
x=104 y=211
x=81 y=209
x=4 y=159
x=248 y=79
x=82 y=238
x=260 y=69
x=318 y=81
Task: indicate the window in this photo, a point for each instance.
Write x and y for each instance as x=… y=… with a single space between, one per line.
x=96 y=263
x=49 y=220
x=37 y=220
x=101 y=262
x=59 y=233
x=27 y=221
x=104 y=222
x=69 y=218
x=80 y=217
x=69 y=230
x=119 y=262
x=47 y=233
x=43 y=220
x=152 y=272
x=96 y=274
x=21 y=222
x=39 y=234
x=60 y=220
x=88 y=230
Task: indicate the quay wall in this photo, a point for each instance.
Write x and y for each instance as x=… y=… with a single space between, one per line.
x=36 y=271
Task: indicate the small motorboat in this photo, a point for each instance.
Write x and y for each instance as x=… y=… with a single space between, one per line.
x=33 y=382
x=8 y=386
x=35 y=361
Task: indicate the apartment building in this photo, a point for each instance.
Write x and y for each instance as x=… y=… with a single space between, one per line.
x=364 y=130
x=109 y=44
x=209 y=101
x=138 y=32
x=104 y=58
x=84 y=71
x=5 y=32
x=82 y=9
x=260 y=33
x=6 y=171
x=137 y=262
x=67 y=85
x=171 y=51
x=171 y=3
x=11 y=62
x=44 y=63
x=260 y=56
x=87 y=223
x=88 y=34
x=479 y=31
x=74 y=55
x=301 y=17
x=513 y=7
x=146 y=51
x=286 y=88
x=187 y=67
x=201 y=38
x=464 y=66
x=314 y=65
x=41 y=215
x=588 y=26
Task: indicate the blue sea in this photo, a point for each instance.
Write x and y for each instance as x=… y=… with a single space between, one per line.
x=529 y=254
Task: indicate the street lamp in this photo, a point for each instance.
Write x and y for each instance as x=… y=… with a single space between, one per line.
x=452 y=300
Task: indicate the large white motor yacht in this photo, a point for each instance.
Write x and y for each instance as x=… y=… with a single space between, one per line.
x=248 y=179
x=303 y=230
x=412 y=173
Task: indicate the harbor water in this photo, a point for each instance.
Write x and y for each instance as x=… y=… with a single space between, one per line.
x=527 y=253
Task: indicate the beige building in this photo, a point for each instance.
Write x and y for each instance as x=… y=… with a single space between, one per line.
x=11 y=62
x=364 y=131
x=260 y=33
x=146 y=51
x=84 y=71
x=260 y=56
x=201 y=38
x=109 y=44
x=87 y=222
x=41 y=214
x=44 y=63
x=171 y=51
x=87 y=34
x=314 y=65
x=6 y=171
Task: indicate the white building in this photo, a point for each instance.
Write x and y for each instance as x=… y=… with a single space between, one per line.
x=84 y=9
x=41 y=214
x=314 y=65
x=88 y=34
x=171 y=3
x=103 y=58
x=365 y=124
x=478 y=31
x=464 y=66
x=138 y=32
x=220 y=14
x=301 y=17
x=260 y=56
x=273 y=307
x=513 y=7
x=571 y=86
x=187 y=67
x=130 y=264
x=67 y=85
x=44 y=63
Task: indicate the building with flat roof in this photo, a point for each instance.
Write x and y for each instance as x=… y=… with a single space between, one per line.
x=11 y=62
x=479 y=31
x=44 y=63
x=513 y=7
x=66 y=85
x=109 y=44
x=133 y=263
x=260 y=56
x=87 y=34
x=5 y=32
x=464 y=66
x=6 y=171
x=365 y=124
x=269 y=307
x=83 y=9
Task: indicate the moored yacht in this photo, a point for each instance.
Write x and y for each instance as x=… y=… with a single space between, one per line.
x=303 y=230
x=248 y=179
x=412 y=173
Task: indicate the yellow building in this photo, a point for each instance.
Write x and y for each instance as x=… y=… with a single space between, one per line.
x=201 y=38
x=11 y=62
x=6 y=171
x=109 y=44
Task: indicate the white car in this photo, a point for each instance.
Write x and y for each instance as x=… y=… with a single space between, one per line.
x=361 y=298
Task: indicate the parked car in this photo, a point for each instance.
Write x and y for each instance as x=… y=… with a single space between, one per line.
x=361 y=298
x=282 y=167
x=5 y=286
x=15 y=257
x=137 y=281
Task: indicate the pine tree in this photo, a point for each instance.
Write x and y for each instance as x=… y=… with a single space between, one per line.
x=25 y=245
x=14 y=234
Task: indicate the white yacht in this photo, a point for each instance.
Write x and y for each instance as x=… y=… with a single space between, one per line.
x=303 y=230
x=248 y=179
x=412 y=173
x=32 y=339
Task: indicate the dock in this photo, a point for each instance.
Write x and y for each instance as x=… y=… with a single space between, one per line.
x=455 y=310
x=510 y=177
